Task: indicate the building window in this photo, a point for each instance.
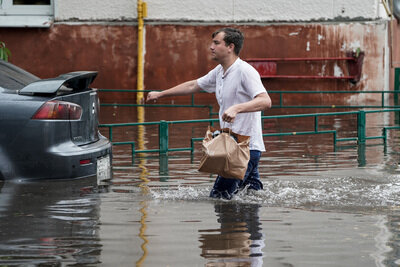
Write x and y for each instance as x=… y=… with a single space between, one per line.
x=31 y=2
x=26 y=13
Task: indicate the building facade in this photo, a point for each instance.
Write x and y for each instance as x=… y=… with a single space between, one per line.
x=51 y=37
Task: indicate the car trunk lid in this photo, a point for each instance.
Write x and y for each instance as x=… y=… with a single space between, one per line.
x=85 y=130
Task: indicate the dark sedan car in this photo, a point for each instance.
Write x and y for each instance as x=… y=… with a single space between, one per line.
x=49 y=127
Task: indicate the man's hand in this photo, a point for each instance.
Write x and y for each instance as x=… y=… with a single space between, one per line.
x=230 y=114
x=186 y=88
x=261 y=102
x=153 y=96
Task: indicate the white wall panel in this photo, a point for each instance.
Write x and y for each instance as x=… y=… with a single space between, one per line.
x=94 y=10
x=222 y=10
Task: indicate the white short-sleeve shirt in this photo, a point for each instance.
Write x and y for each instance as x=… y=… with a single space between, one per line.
x=240 y=83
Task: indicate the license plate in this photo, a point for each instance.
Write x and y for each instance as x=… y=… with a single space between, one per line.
x=103 y=168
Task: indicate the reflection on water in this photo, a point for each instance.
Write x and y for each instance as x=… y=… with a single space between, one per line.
x=143 y=177
x=393 y=255
x=239 y=239
x=41 y=222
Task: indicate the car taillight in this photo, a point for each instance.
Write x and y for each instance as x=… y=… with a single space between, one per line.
x=84 y=161
x=58 y=110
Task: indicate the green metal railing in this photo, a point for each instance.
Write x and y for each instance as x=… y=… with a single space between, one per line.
x=361 y=138
x=382 y=93
x=163 y=130
x=281 y=99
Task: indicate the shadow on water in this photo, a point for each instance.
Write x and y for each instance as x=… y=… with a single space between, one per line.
x=49 y=222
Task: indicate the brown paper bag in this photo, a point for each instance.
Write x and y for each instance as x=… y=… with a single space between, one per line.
x=223 y=155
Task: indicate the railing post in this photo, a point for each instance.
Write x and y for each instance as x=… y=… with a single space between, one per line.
x=163 y=167
x=163 y=137
x=361 y=156
x=396 y=90
x=133 y=152
x=110 y=133
x=396 y=86
x=384 y=134
x=334 y=141
x=361 y=123
x=316 y=123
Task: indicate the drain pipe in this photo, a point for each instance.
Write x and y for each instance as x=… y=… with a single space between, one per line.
x=141 y=13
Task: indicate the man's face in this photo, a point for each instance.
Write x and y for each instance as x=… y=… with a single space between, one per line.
x=218 y=47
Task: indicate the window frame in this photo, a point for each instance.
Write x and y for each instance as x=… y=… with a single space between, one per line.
x=26 y=15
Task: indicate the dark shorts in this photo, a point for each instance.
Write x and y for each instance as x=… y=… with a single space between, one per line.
x=227 y=187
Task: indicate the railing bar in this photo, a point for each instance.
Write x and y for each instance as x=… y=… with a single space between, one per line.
x=153 y=105
x=263 y=117
x=299 y=133
x=374 y=137
x=333 y=106
x=299 y=59
x=147 y=150
x=180 y=149
x=269 y=91
x=332 y=92
x=307 y=77
x=347 y=139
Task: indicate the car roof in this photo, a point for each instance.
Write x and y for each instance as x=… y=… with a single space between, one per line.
x=13 y=77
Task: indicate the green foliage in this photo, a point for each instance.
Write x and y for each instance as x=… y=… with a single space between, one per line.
x=4 y=52
x=358 y=51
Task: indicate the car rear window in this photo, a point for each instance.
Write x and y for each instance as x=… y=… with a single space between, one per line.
x=13 y=77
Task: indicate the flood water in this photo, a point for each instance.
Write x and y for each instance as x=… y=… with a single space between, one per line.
x=321 y=205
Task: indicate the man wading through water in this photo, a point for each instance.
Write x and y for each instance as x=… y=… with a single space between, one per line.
x=241 y=97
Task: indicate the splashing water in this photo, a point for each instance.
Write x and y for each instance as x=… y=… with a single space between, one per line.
x=324 y=192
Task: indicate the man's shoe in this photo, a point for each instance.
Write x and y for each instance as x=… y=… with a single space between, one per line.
x=226 y=195
x=215 y=193
x=218 y=194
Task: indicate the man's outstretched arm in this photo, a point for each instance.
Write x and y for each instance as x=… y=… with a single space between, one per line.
x=186 y=88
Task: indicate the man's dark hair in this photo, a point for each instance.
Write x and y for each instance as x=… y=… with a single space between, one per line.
x=232 y=36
